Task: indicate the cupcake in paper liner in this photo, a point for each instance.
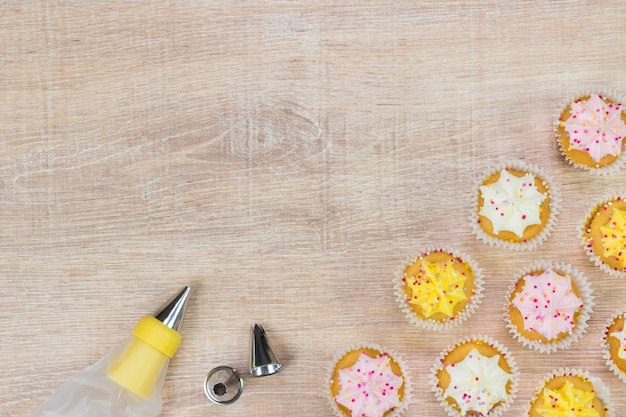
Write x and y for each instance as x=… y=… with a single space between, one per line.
x=515 y=206
x=603 y=234
x=368 y=381
x=614 y=344
x=571 y=392
x=590 y=131
x=548 y=306
x=438 y=288
x=476 y=376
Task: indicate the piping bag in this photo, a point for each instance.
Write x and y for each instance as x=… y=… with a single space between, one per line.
x=127 y=381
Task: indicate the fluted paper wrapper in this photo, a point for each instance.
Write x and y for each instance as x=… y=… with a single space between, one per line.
x=406 y=398
x=499 y=409
x=432 y=324
x=586 y=295
x=605 y=93
x=600 y=389
x=533 y=242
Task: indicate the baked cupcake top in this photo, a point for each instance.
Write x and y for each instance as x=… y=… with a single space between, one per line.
x=515 y=206
x=512 y=202
x=570 y=393
x=475 y=377
x=567 y=401
x=604 y=235
x=548 y=304
x=367 y=382
x=477 y=383
x=594 y=126
x=590 y=131
x=439 y=287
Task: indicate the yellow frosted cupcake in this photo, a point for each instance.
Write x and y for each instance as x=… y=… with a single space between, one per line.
x=614 y=344
x=570 y=393
x=438 y=288
x=603 y=234
x=590 y=132
x=368 y=381
x=515 y=206
x=475 y=377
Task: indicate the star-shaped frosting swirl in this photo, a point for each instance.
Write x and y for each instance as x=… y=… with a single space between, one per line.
x=477 y=383
x=512 y=203
x=369 y=388
x=568 y=401
x=595 y=127
x=437 y=288
x=548 y=303
x=614 y=236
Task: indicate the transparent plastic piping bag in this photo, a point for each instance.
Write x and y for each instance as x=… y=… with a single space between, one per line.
x=127 y=382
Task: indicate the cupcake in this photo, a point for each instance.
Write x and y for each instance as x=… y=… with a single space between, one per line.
x=515 y=206
x=590 y=132
x=438 y=288
x=548 y=306
x=475 y=377
x=368 y=382
x=614 y=344
x=570 y=392
x=603 y=234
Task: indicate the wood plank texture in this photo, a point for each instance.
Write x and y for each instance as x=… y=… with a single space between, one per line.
x=283 y=158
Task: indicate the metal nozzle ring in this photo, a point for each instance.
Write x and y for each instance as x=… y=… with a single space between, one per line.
x=223 y=385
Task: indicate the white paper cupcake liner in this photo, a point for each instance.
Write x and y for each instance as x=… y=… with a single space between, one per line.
x=606 y=354
x=431 y=324
x=606 y=93
x=439 y=365
x=406 y=398
x=554 y=207
x=586 y=295
x=587 y=241
x=601 y=390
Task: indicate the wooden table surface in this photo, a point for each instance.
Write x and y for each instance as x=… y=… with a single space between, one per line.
x=282 y=158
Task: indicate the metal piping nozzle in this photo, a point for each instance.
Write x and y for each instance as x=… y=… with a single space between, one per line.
x=263 y=360
x=172 y=312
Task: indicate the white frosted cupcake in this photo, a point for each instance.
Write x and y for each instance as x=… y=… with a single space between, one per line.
x=565 y=390
x=548 y=305
x=476 y=376
x=590 y=131
x=438 y=288
x=515 y=206
x=614 y=344
x=603 y=234
x=368 y=381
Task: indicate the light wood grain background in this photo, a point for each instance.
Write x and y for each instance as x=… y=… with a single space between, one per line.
x=283 y=158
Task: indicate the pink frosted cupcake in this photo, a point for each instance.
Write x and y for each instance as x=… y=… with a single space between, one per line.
x=368 y=381
x=548 y=306
x=590 y=132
